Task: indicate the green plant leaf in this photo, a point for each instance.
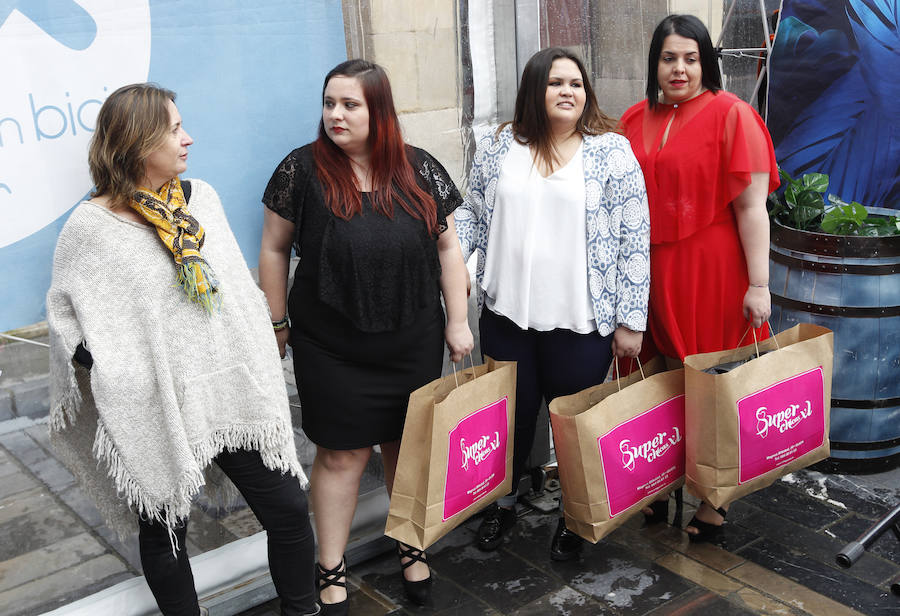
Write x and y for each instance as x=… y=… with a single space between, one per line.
x=815 y=181
x=790 y=195
x=856 y=211
x=810 y=200
x=832 y=221
x=835 y=200
x=869 y=231
x=844 y=220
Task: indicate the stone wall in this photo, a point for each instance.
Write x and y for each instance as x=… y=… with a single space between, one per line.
x=620 y=39
x=416 y=41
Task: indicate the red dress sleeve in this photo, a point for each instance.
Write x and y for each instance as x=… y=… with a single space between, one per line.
x=747 y=149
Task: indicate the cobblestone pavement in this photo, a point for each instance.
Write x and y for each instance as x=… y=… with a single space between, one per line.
x=776 y=556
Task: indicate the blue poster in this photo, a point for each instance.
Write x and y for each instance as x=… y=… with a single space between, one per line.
x=833 y=96
x=248 y=79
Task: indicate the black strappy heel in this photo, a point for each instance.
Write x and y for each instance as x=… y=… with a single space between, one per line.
x=418 y=592
x=659 y=513
x=333 y=577
x=706 y=531
x=660 y=510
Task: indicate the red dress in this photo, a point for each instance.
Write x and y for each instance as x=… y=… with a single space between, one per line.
x=698 y=273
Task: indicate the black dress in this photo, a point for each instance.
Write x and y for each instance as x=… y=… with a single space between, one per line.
x=366 y=319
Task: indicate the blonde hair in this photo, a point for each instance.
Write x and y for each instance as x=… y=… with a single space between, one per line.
x=131 y=125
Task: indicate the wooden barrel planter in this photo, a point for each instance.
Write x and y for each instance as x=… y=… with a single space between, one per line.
x=850 y=285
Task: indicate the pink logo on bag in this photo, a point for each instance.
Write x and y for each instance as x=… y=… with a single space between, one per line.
x=643 y=455
x=780 y=423
x=477 y=460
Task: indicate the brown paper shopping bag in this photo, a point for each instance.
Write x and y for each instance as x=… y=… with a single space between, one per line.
x=764 y=418
x=618 y=446
x=456 y=452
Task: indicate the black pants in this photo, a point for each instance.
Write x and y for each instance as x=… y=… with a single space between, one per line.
x=279 y=503
x=550 y=364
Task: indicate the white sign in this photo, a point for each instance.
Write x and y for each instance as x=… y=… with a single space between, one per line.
x=66 y=63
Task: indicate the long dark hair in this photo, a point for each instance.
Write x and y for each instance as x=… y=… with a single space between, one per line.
x=690 y=27
x=131 y=125
x=530 y=124
x=393 y=177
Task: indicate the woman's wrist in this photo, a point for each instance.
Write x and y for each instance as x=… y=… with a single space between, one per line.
x=281 y=324
x=764 y=285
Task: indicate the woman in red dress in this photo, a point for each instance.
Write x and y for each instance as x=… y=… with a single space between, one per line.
x=708 y=164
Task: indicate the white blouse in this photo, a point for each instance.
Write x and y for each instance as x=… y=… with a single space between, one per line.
x=536 y=269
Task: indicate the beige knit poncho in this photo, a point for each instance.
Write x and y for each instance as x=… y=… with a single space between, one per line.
x=171 y=386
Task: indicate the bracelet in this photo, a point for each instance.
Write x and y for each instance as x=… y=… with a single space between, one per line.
x=760 y=286
x=280 y=325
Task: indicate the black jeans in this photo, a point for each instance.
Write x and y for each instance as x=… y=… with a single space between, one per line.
x=550 y=364
x=279 y=503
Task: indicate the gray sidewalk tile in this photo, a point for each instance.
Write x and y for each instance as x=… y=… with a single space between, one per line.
x=32 y=398
x=16 y=482
x=6 y=405
x=41 y=434
x=25 y=449
x=84 y=508
x=60 y=587
x=127 y=548
x=49 y=559
x=53 y=474
x=36 y=529
x=36 y=499
x=564 y=601
x=700 y=602
x=241 y=523
x=206 y=532
x=797 y=539
x=7 y=465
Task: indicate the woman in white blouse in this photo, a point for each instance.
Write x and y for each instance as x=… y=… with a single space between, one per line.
x=557 y=214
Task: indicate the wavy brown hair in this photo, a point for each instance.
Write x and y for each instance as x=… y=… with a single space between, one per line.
x=394 y=180
x=530 y=124
x=131 y=125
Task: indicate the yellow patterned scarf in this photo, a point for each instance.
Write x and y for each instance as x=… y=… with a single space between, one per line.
x=183 y=235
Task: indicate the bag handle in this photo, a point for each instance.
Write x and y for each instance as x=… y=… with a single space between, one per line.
x=619 y=375
x=755 y=341
x=463 y=362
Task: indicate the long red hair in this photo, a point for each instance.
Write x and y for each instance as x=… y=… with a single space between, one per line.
x=393 y=177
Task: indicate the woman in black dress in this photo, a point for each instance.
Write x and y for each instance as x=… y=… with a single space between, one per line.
x=371 y=219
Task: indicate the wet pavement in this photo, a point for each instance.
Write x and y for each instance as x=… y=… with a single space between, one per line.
x=775 y=557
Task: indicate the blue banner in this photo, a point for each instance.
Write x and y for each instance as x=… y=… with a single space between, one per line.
x=248 y=78
x=833 y=96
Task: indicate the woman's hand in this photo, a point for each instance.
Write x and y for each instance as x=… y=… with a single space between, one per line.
x=627 y=343
x=757 y=305
x=281 y=337
x=459 y=339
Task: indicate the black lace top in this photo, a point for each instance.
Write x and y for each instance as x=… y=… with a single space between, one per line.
x=377 y=271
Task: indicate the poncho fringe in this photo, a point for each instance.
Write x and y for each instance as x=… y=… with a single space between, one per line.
x=269 y=439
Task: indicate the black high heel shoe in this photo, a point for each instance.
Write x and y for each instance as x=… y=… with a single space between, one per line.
x=660 y=510
x=333 y=577
x=706 y=531
x=419 y=592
